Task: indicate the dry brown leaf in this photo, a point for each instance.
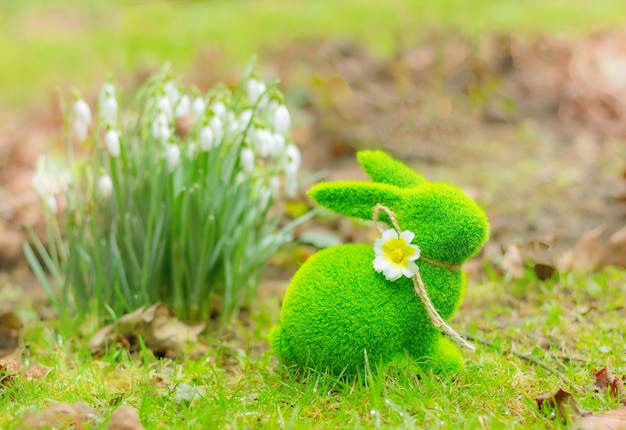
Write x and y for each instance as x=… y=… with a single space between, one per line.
x=9 y=368
x=564 y=407
x=125 y=418
x=533 y=255
x=561 y=405
x=34 y=371
x=590 y=252
x=62 y=415
x=157 y=325
x=607 y=382
x=10 y=329
x=610 y=420
x=587 y=254
x=615 y=252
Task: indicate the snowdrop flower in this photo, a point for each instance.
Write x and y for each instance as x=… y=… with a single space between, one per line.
x=82 y=112
x=218 y=108
x=247 y=160
x=255 y=90
x=81 y=130
x=207 y=139
x=292 y=165
x=232 y=125
x=82 y=119
x=108 y=103
x=274 y=185
x=292 y=158
x=198 y=107
x=164 y=106
x=395 y=256
x=183 y=108
x=282 y=120
x=51 y=203
x=244 y=119
x=263 y=142
x=104 y=186
x=278 y=145
x=172 y=156
x=171 y=92
x=40 y=184
x=217 y=128
x=112 y=142
x=161 y=128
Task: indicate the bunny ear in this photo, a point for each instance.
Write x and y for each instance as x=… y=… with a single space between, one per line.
x=355 y=198
x=381 y=167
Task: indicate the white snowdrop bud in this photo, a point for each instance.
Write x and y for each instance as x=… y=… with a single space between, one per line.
x=104 y=186
x=244 y=120
x=40 y=184
x=262 y=140
x=108 y=103
x=271 y=107
x=183 y=108
x=292 y=159
x=207 y=139
x=255 y=90
x=172 y=156
x=218 y=108
x=82 y=112
x=112 y=142
x=282 y=120
x=274 y=185
x=171 y=92
x=291 y=183
x=164 y=106
x=51 y=203
x=81 y=129
x=161 y=129
x=218 y=129
x=198 y=107
x=247 y=160
x=278 y=146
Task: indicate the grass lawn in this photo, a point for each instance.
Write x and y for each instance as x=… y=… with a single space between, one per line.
x=573 y=325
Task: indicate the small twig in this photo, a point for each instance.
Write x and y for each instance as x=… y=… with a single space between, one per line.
x=530 y=358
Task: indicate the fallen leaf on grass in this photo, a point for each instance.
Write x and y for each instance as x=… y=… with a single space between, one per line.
x=62 y=416
x=607 y=382
x=157 y=325
x=534 y=255
x=562 y=405
x=590 y=252
x=125 y=418
x=9 y=368
x=10 y=329
x=610 y=420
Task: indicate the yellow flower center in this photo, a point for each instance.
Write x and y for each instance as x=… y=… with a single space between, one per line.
x=398 y=251
x=397 y=255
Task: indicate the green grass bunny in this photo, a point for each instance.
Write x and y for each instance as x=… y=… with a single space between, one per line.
x=340 y=311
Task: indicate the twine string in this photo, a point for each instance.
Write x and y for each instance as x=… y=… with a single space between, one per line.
x=418 y=284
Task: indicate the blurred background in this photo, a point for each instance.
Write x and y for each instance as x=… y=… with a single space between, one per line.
x=520 y=102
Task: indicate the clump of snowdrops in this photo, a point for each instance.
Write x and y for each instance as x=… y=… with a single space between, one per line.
x=174 y=202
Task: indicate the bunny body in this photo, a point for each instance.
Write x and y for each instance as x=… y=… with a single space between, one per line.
x=339 y=312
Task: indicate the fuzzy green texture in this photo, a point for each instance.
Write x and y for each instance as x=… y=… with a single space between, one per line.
x=339 y=312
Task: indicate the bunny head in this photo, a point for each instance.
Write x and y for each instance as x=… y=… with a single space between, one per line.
x=449 y=226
